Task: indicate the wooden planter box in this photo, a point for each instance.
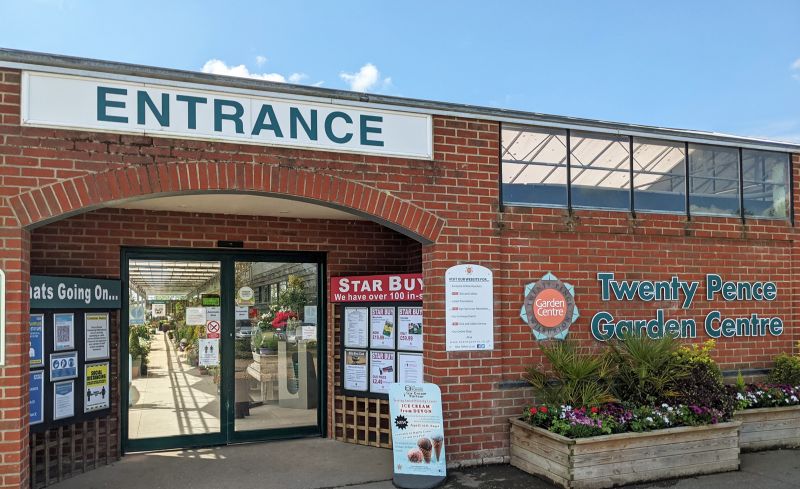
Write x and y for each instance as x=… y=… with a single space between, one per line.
x=769 y=428
x=626 y=458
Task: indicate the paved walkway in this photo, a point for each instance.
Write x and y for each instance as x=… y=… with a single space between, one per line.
x=325 y=464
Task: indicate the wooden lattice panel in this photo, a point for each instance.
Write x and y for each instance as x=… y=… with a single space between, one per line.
x=359 y=420
x=63 y=452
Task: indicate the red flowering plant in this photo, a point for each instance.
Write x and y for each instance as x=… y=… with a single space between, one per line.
x=282 y=317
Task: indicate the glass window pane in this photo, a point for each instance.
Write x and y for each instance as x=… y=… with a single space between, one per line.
x=600 y=167
x=766 y=190
x=713 y=180
x=276 y=374
x=659 y=175
x=534 y=166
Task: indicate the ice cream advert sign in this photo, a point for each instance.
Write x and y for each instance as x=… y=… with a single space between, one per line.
x=417 y=435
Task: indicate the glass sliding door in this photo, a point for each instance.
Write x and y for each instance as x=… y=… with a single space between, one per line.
x=277 y=375
x=174 y=347
x=221 y=346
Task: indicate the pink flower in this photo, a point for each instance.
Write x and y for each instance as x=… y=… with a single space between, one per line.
x=543 y=409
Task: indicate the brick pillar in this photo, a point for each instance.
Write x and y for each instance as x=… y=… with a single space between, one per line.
x=14 y=260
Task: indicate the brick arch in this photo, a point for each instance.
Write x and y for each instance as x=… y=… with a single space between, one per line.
x=92 y=191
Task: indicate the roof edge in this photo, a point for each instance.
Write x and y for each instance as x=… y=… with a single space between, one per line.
x=38 y=59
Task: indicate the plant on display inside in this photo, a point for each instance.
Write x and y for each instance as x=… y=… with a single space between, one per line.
x=265 y=340
x=576 y=377
x=282 y=318
x=294 y=297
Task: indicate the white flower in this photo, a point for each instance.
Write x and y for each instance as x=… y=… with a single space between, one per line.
x=665 y=405
x=649 y=419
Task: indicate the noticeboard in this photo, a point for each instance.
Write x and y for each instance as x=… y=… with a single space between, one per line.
x=69 y=385
x=379 y=342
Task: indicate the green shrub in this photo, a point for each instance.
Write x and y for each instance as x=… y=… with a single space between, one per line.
x=138 y=347
x=647 y=370
x=786 y=371
x=578 y=379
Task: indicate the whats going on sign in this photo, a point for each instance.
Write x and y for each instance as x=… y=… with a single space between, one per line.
x=74 y=293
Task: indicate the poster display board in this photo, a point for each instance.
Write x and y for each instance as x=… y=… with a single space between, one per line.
x=96 y=336
x=96 y=385
x=381 y=323
x=356 y=327
x=382 y=327
x=418 y=447
x=64 y=331
x=75 y=385
x=469 y=308
x=63 y=399
x=381 y=371
x=37 y=340
x=36 y=404
x=355 y=370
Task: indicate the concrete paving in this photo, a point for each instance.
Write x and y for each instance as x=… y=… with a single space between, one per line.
x=315 y=463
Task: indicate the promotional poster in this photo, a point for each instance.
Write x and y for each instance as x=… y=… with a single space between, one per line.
x=37 y=340
x=382 y=327
x=98 y=394
x=417 y=430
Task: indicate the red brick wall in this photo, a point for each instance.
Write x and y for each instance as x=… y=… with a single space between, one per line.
x=453 y=201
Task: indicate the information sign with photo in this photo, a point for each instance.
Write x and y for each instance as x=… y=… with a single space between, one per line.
x=355 y=370
x=409 y=328
x=418 y=444
x=208 y=352
x=382 y=327
x=381 y=371
x=159 y=310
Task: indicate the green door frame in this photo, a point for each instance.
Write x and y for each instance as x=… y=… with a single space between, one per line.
x=227 y=434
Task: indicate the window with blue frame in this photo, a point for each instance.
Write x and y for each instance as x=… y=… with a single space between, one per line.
x=596 y=174
x=713 y=180
x=600 y=170
x=534 y=161
x=765 y=183
x=659 y=175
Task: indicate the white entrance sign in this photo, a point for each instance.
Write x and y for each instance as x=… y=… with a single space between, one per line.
x=96 y=336
x=469 y=308
x=154 y=109
x=208 y=354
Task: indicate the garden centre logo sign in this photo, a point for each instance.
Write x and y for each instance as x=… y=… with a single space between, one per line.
x=604 y=326
x=549 y=308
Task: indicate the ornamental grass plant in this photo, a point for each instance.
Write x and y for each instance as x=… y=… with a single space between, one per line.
x=634 y=385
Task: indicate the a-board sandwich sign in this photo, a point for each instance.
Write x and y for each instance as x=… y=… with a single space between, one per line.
x=418 y=449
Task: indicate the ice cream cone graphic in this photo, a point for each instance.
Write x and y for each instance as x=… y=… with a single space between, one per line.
x=437 y=446
x=425 y=445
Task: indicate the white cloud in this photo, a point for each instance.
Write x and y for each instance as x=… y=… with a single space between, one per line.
x=796 y=64
x=218 y=67
x=260 y=60
x=297 y=77
x=365 y=79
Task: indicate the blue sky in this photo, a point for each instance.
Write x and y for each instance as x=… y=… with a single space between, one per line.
x=728 y=66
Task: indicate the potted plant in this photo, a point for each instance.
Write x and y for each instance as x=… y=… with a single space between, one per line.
x=770 y=412
x=138 y=348
x=265 y=342
x=630 y=413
